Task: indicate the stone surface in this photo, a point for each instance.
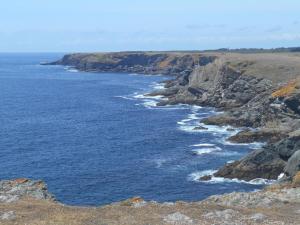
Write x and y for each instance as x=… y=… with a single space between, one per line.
x=178 y=218
x=258 y=217
x=8 y=215
x=11 y=191
x=260 y=163
x=296 y=180
x=293 y=164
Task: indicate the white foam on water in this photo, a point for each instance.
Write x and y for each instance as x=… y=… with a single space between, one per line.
x=124 y=97
x=203 y=151
x=150 y=103
x=158 y=97
x=197 y=175
x=220 y=129
x=139 y=96
x=188 y=128
x=253 y=145
x=159 y=162
x=196 y=107
x=73 y=70
x=193 y=116
x=203 y=145
x=228 y=153
x=157 y=86
x=146 y=96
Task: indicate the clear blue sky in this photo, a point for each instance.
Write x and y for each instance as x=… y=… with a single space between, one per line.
x=114 y=25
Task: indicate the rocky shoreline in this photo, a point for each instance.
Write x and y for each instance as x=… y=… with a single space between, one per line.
x=25 y=201
x=260 y=91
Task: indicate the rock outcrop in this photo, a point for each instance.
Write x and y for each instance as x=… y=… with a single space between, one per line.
x=13 y=190
x=176 y=64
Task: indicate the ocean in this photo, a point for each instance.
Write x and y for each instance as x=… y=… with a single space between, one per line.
x=94 y=138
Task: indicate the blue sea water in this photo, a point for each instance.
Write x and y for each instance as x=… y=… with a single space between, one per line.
x=95 y=139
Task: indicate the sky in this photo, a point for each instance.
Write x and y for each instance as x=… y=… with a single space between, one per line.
x=119 y=25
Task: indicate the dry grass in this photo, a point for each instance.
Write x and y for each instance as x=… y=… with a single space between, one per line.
x=285 y=90
x=166 y=62
x=41 y=212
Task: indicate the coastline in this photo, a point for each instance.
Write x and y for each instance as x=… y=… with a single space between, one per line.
x=24 y=201
x=215 y=84
x=258 y=91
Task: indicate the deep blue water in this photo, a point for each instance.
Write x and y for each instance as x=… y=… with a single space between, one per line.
x=94 y=140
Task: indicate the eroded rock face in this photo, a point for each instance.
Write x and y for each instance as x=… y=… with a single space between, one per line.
x=258 y=164
x=13 y=190
x=293 y=102
x=293 y=165
x=288 y=146
x=262 y=135
x=137 y=62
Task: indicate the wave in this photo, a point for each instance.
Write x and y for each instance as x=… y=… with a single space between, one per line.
x=253 y=145
x=71 y=69
x=124 y=97
x=203 y=151
x=203 y=145
x=193 y=116
x=157 y=86
x=197 y=175
x=149 y=104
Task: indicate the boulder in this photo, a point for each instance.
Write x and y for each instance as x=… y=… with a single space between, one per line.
x=262 y=163
x=293 y=103
x=200 y=128
x=293 y=165
x=263 y=135
x=288 y=146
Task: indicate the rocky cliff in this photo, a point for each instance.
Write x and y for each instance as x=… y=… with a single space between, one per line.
x=260 y=91
x=136 y=62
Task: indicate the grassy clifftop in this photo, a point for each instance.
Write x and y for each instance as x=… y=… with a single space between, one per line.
x=278 y=67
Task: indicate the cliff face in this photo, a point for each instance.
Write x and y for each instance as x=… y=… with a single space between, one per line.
x=248 y=101
x=254 y=90
x=136 y=62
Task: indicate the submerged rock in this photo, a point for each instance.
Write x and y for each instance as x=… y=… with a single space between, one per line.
x=205 y=178
x=200 y=128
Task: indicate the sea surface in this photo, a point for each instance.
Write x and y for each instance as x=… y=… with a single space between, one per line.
x=94 y=138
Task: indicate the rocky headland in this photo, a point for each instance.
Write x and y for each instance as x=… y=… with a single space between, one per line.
x=258 y=92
